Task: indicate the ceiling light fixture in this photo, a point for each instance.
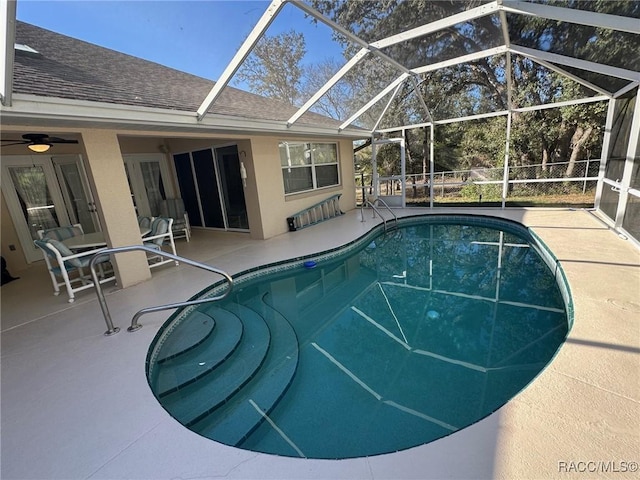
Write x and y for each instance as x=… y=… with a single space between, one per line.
x=39 y=147
x=37 y=142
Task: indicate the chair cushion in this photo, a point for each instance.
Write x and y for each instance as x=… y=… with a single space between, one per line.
x=62 y=233
x=145 y=222
x=159 y=226
x=65 y=252
x=42 y=244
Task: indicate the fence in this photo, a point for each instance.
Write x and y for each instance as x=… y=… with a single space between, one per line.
x=527 y=185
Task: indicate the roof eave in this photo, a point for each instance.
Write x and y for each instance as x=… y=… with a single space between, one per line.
x=87 y=114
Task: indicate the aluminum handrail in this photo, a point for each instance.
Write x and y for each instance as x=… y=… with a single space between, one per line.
x=134 y=321
x=378 y=199
x=375 y=210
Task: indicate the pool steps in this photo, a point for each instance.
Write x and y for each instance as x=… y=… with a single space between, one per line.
x=228 y=381
x=195 y=363
x=193 y=402
x=199 y=328
x=237 y=419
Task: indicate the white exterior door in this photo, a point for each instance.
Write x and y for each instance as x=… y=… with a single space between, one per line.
x=75 y=190
x=149 y=181
x=34 y=198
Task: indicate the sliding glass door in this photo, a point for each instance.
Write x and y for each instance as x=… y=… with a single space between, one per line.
x=235 y=208
x=211 y=187
x=208 y=189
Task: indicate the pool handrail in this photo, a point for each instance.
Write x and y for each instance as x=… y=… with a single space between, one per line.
x=134 y=321
x=371 y=203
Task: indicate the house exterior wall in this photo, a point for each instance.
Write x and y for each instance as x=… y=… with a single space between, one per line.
x=267 y=205
x=275 y=207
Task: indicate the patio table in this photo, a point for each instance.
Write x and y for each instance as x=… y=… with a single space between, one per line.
x=93 y=240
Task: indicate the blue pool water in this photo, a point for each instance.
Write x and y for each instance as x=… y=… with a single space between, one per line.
x=397 y=340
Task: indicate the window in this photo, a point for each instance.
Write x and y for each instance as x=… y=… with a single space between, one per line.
x=307 y=166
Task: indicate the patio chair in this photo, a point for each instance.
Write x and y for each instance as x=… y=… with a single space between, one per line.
x=62 y=233
x=161 y=234
x=174 y=208
x=144 y=222
x=62 y=262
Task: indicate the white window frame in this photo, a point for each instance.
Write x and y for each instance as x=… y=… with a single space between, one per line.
x=307 y=146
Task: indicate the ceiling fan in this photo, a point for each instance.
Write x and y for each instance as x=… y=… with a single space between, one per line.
x=37 y=142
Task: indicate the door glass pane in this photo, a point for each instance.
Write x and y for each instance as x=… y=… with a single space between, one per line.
x=133 y=197
x=35 y=198
x=208 y=188
x=229 y=168
x=152 y=178
x=72 y=186
x=188 y=188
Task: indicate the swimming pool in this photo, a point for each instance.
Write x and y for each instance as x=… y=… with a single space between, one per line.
x=395 y=340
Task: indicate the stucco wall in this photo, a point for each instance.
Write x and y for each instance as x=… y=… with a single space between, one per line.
x=267 y=205
x=106 y=171
x=275 y=207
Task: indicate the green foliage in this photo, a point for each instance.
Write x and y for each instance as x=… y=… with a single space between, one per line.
x=486 y=193
x=540 y=137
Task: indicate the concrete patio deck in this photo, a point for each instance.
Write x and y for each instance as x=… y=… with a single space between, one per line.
x=75 y=403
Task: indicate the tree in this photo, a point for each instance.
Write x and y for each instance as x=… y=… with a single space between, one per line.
x=335 y=103
x=562 y=134
x=274 y=67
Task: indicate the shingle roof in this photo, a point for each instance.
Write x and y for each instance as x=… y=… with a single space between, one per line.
x=65 y=67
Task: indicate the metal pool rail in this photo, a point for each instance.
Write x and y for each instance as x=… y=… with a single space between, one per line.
x=371 y=203
x=134 y=321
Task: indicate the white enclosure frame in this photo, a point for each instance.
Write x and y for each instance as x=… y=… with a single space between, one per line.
x=502 y=8
x=403 y=172
x=552 y=61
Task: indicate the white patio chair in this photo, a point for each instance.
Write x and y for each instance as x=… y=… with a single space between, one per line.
x=174 y=208
x=161 y=234
x=63 y=263
x=62 y=233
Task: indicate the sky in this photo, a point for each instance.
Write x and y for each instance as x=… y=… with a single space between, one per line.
x=196 y=36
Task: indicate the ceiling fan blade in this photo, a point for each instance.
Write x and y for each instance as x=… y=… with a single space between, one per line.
x=59 y=140
x=15 y=142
